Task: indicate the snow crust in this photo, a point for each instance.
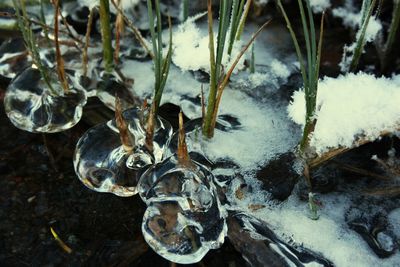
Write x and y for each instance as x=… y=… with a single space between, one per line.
x=349 y=107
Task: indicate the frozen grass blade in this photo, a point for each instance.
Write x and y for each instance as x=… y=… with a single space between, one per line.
x=106 y=35
x=367 y=9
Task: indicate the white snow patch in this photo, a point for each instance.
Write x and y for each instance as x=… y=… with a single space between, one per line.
x=319 y=6
x=348 y=107
x=191 y=52
x=279 y=69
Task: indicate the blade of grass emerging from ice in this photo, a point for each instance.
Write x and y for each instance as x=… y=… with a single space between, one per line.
x=24 y=25
x=367 y=8
x=106 y=35
x=161 y=64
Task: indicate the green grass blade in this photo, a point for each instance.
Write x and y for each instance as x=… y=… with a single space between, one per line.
x=296 y=44
x=243 y=18
x=361 y=40
x=106 y=35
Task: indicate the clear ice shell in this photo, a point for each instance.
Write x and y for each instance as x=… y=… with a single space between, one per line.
x=30 y=105
x=184 y=218
x=102 y=164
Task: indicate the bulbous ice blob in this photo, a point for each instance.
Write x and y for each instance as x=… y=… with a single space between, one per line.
x=13 y=57
x=31 y=106
x=184 y=218
x=102 y=163
x=110 y=87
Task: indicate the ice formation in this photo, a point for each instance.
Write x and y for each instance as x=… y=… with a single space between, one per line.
x=102 y=163
x=32 y=106
x=184 y=218
x=350 y=108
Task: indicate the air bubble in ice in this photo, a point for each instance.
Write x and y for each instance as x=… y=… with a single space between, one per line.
x=31 y=106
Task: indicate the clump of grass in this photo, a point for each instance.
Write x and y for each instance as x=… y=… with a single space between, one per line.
x=24 y=25
x=234 y=20
x=310 y=73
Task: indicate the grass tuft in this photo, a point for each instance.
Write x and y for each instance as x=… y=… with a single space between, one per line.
x=311 y=73
x=218 y=79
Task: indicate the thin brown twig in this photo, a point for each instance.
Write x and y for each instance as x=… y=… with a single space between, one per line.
x=135 y=30
x=350 y=168
x=87 y=41
x=59 y=59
